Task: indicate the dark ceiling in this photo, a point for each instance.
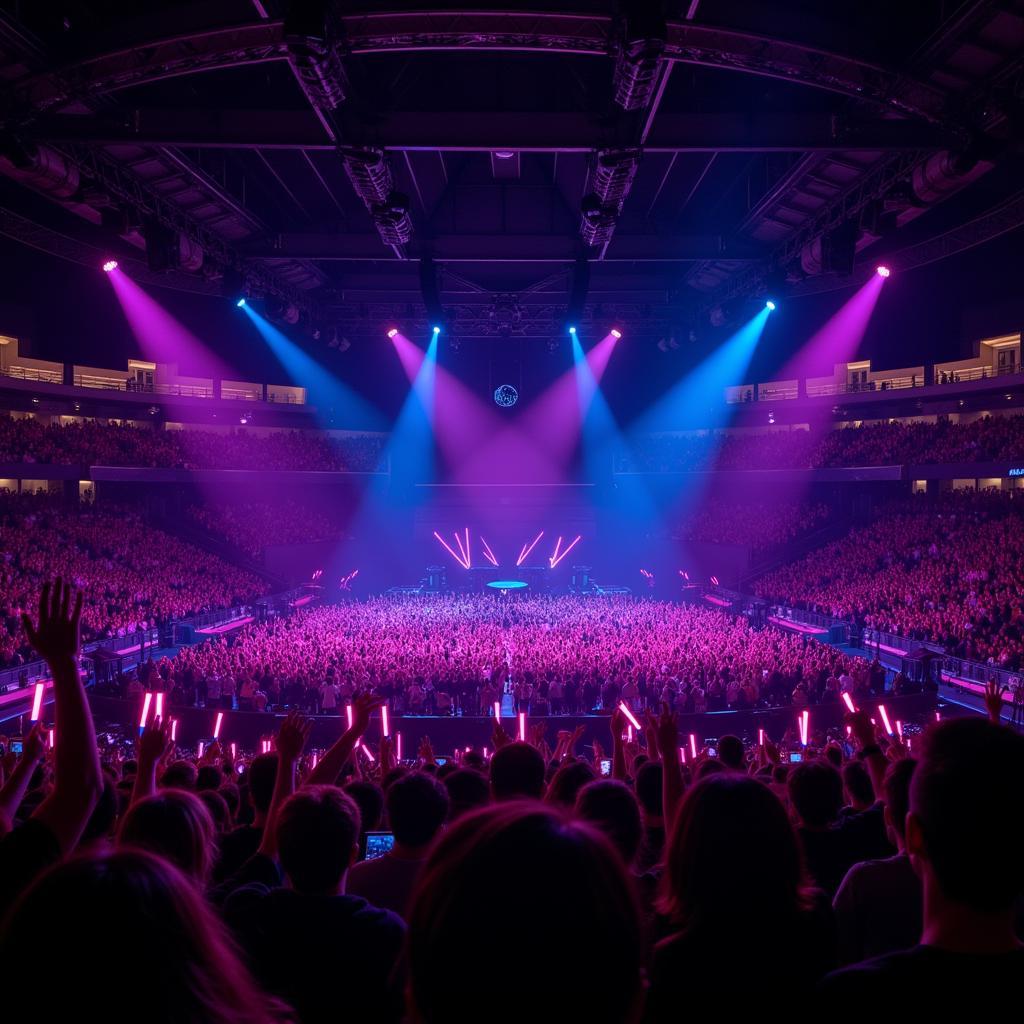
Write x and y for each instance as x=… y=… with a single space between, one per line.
x=670 y=159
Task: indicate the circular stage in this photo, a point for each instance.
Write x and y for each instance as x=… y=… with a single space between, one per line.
x=506 y=585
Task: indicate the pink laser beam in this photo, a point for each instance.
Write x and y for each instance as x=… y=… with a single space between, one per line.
x=554 y=564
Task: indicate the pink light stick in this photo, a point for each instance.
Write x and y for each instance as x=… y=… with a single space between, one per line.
x=398 y=745
x=682 y=755
x=160 y=705
x=218 y=724
x=37 y=701
x=522 y=726
x=497 y=710
x=234 y=751
x=760 y=737
x=174 y=730
x=51 y=739
x=201 y=748
x=348 y=714
x=146 y=701
x=624 y=708
x=369 y=753
x=848 y=701
x=885 y=718
x=629 y=734
x=899 y=728
x=385 y=729
x=693 y=746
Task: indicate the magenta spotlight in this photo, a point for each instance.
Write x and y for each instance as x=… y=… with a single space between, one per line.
x=882 y=270
x=392 y=332
x=769 y=305
x=110 y=265
x=616 y=333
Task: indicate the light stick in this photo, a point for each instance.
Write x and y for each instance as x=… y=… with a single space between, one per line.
x=199 y=751
x=37 y=701
x=629 y=734
x=693 y=746
x=899 y=728
x=369 y=754
x=497 y=710
x=384 y=720
x=51 y=739
x=485 y=753
x=160 y=705
x=146 y=701
x=218 y=724
x=522 y=726
x=760 y=737
x=234 y=751
x=848 y=701
x=398 y=745
x=174 y=730
x=885 y=718
x=348 y=714
x=624 y=708
x=682 y=755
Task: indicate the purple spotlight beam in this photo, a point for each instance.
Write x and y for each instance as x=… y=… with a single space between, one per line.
x=444 y=544
x=488 y=553
x=556 y=557
x=525 y=553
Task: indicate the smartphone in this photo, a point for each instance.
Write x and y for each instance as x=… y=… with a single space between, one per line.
x=712 y=751
x=378 y=843
x=606 y=766
x=440 y=761
x=17 y=747
x=795 y=758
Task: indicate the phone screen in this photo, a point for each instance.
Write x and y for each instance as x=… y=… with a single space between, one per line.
x=606 y=766
x=378 y=843
x=795 y=758
x=17 y=747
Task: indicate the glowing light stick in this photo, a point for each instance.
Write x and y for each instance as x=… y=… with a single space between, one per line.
x=174 y=730
x=760 y=737
x=899 y=728
x=199 y=751
x=385 y=730
x=234 y=751
x=631 y=718
x=522 y=726
x=885 y=718
x=146 y=701
x=369 y=754
x=682 y=755
x=160 y=705
x=348 y=714
x=37 y=701
x=51 y=739
x=398 y=745
x=848 y=701
x=218 y=724
x=497 y=710
x=693 y=746
x=629 y=734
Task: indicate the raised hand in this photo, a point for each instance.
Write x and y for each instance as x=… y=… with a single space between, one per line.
x=994 y=700
x=498 y=736
x=34 y=747
x=155 y=741
x=426 y=751
x=292 y=736
x=56 y=635
x=861 y=727
x=667 y=730
x=362 y=707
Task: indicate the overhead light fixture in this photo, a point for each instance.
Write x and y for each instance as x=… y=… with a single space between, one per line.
x=616 y=333
x=240 y=302
x=110 y=265
x=882 y=270
x=392 y=332
x=769 y=305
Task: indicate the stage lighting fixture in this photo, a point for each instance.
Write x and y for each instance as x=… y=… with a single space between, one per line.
x=393 y=332
x=437 y=330
x=882 y=270
x=240 y=302
x=616 y=333
x=769 y=305
x=110 y=265
x=572 y=330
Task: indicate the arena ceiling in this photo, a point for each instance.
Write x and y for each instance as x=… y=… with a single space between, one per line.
x=648 y=163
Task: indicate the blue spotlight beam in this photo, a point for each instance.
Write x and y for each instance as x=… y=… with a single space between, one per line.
x=325 y=391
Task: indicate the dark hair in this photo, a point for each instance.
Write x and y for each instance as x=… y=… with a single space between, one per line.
x=261 y=777
x=709 y=766
x=550 y=868
x=858 y=782
x=610 y=806
x=570 y=778
x=896 y=785
x=175 y=824
x=232 y=797
x=417 y=808
x=517 y=770
x=180 y=775
x=816 y=792
x=317 y=828
x=966 y=796
x=731 y=752
x=218 y=808
x=178 y=965
x=649 y=780
x=467 y=790
x=732 y=858
x=209 y=776
x=369 y=798
x=104 y=814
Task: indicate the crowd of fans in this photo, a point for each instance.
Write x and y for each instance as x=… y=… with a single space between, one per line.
x=554 y=655
x=93 y=443
x=990 y=439
x=135 y=576
x=137 y=881
x=757 y=525
x=251 y=526
x=948 y=571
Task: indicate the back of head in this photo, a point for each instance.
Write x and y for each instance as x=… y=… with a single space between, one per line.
x=547 y=868
x=896 y=786
x=649 y=780
x=177 y=965
x=218 y=808
x=517 y=772
x=369 y=798
x=209 y=776
x=610 y=806
x=570 y=778
x=732 y=859
x=417 y=808
x=967 y=803
x=731 y=753
x=261 y=777
x=816 y=793
x=176 y=825
x=467 y=790
x=317 y=837
x=180 y=775
x=858 y=783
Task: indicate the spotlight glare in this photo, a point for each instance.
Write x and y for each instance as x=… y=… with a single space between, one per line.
x=437 y=330
x=392 y=332
x=882 y=270
x=240 y=302
x=572 y=330
x=616 y=333
x=110 y=265
x=769 y=305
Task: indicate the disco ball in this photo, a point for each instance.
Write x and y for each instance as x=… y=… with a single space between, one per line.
x=506 y=396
